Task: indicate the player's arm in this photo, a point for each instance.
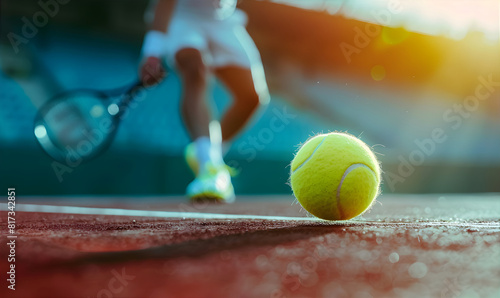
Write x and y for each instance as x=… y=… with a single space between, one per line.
x=151 y=71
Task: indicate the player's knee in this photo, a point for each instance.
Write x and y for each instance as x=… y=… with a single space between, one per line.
x=191 y=65
x=254 y=101
x=250 y=101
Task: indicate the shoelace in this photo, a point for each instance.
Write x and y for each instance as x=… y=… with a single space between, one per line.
x=213 y=169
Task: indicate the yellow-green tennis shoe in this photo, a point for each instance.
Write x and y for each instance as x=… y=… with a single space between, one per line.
x=212 y=185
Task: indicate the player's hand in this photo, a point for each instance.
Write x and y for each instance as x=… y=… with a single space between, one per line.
x=151 y=71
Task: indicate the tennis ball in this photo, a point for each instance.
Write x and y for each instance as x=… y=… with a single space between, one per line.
x=335 y=176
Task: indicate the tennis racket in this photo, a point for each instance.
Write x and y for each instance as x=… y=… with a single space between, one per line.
x=78 y=125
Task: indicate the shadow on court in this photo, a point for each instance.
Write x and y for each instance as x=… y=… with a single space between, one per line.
x=411 y=246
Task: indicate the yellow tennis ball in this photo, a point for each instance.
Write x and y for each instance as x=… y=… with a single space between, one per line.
x=335 y=176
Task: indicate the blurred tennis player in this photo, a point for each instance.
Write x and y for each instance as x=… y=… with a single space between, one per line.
x=200 y=38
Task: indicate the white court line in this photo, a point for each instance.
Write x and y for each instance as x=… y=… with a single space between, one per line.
x=199 y=215
x=146 y=213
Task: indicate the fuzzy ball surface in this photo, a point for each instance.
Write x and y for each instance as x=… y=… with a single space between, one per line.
x=335 y=176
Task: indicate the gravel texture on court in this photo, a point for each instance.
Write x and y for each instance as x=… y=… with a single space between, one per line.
x=406 y=246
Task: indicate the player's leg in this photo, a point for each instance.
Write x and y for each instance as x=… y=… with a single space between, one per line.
x=194 y=75
x=194 y=109
x=212 y=180
x=240 y=82
x=237 y=64
x=186 y=47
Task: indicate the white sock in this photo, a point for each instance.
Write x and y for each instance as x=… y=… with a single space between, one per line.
x=202 y=145
x=216 y=141
x=207 y=151
x=216 y=153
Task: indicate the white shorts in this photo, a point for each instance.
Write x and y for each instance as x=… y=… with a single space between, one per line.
x=221 y=42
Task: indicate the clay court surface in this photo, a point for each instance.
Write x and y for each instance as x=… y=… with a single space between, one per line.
x=406 y=246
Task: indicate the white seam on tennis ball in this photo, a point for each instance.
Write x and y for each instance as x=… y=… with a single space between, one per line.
x=310 y=156
x=347 y=171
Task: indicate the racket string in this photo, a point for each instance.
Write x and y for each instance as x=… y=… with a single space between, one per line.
x=82 y=123
x=76 y=125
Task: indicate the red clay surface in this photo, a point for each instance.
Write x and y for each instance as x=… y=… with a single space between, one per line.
x=398 y=252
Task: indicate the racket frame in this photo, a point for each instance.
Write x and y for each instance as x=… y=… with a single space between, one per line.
x=105 y=97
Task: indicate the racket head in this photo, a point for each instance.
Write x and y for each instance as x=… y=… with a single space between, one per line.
x=76 y=126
